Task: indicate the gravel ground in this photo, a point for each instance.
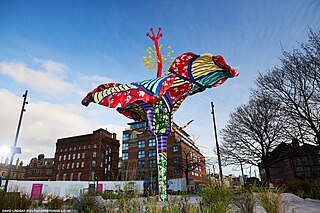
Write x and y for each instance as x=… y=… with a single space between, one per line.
x=292 y=202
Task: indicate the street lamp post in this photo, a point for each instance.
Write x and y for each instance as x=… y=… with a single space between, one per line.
x=16 y=139
x=217 y=144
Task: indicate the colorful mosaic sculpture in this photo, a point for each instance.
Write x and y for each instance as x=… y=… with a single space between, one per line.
x=155 y=101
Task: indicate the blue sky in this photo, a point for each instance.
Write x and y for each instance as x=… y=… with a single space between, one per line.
x=60 y=50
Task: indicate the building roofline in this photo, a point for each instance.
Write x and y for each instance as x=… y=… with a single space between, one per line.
x=77 y=136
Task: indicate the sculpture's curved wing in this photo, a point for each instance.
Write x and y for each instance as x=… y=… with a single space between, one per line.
x=123 y=97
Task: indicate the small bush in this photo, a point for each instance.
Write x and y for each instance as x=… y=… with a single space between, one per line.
x=13 y=200
x=54 y=202
x=86 y=203
x=244 y=201
x=304 y=188
x=270 y=200
x=215 y=198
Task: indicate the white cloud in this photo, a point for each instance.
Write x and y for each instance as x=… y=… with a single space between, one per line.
x=51 y=78
x=45 y=81
x=53 y=67
x=94 y=80
x=43 y=123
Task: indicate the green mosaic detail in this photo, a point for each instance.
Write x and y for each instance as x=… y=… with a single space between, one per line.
x=162 y=115
x=162 y=175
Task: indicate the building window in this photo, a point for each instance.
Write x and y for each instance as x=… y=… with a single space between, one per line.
x=83 y=155
x=62 y=166
x=60 y=150
x=65 y=149
x=93 y=174
x=68 y=166
x=57 y=177
x=125 y=136
x=49 y=172
x=72 y=165
x=141 y=144
x=64 y=157
x=74 y=148
x=79 y=176
x=78 y=155
x=69 y=156
x=64 y=176
x=94 y=154
x=152 y=153
x=88 y=146
x=77 y=165
x=84 y=147
x=109 y=150
x=175 y=149
x=138 y=125
x=71 y=177
x=79 y=148
x=152 y=163
x=152 y=142
x=125 y=156
x=74 y=156
x=94 y=146
x=82 y=164
x=109 y=167
x=101 y=164
x=176 y=172
x=133 y=136
x=141 y=164
x=58 y=167
x=60 y=158
x=176 y=160
x=141 y=154
x=125 y=146
x=70 y=149
x=93 y=163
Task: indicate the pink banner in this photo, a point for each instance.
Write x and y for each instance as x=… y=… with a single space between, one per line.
x=100 y=187
x=36 y=191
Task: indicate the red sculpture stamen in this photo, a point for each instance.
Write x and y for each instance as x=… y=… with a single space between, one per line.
x=155 y=39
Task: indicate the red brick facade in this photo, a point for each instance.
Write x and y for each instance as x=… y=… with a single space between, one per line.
x=139 y=161
x=87 y=157
x=39 y=168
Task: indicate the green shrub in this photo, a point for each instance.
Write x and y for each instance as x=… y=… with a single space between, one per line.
x=86 y=203
x=215 y=198
x=55 y=202
x=13 y=200
x=270 y=200
x=304 y=188
x=244 y=201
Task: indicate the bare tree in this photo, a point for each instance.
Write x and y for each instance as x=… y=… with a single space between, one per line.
x=189 y=162
x=252 y=132
x=296 y=85
x=229 y=156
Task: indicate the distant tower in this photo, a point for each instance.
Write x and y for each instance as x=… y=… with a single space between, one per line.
x=7 y=161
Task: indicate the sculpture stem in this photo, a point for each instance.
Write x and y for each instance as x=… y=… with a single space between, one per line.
x=162 y=166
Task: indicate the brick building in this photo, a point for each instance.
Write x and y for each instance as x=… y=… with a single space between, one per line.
x=39 y=168
x=17 y=171
x=293 y=161
x=87 y=157
x=139 y=157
